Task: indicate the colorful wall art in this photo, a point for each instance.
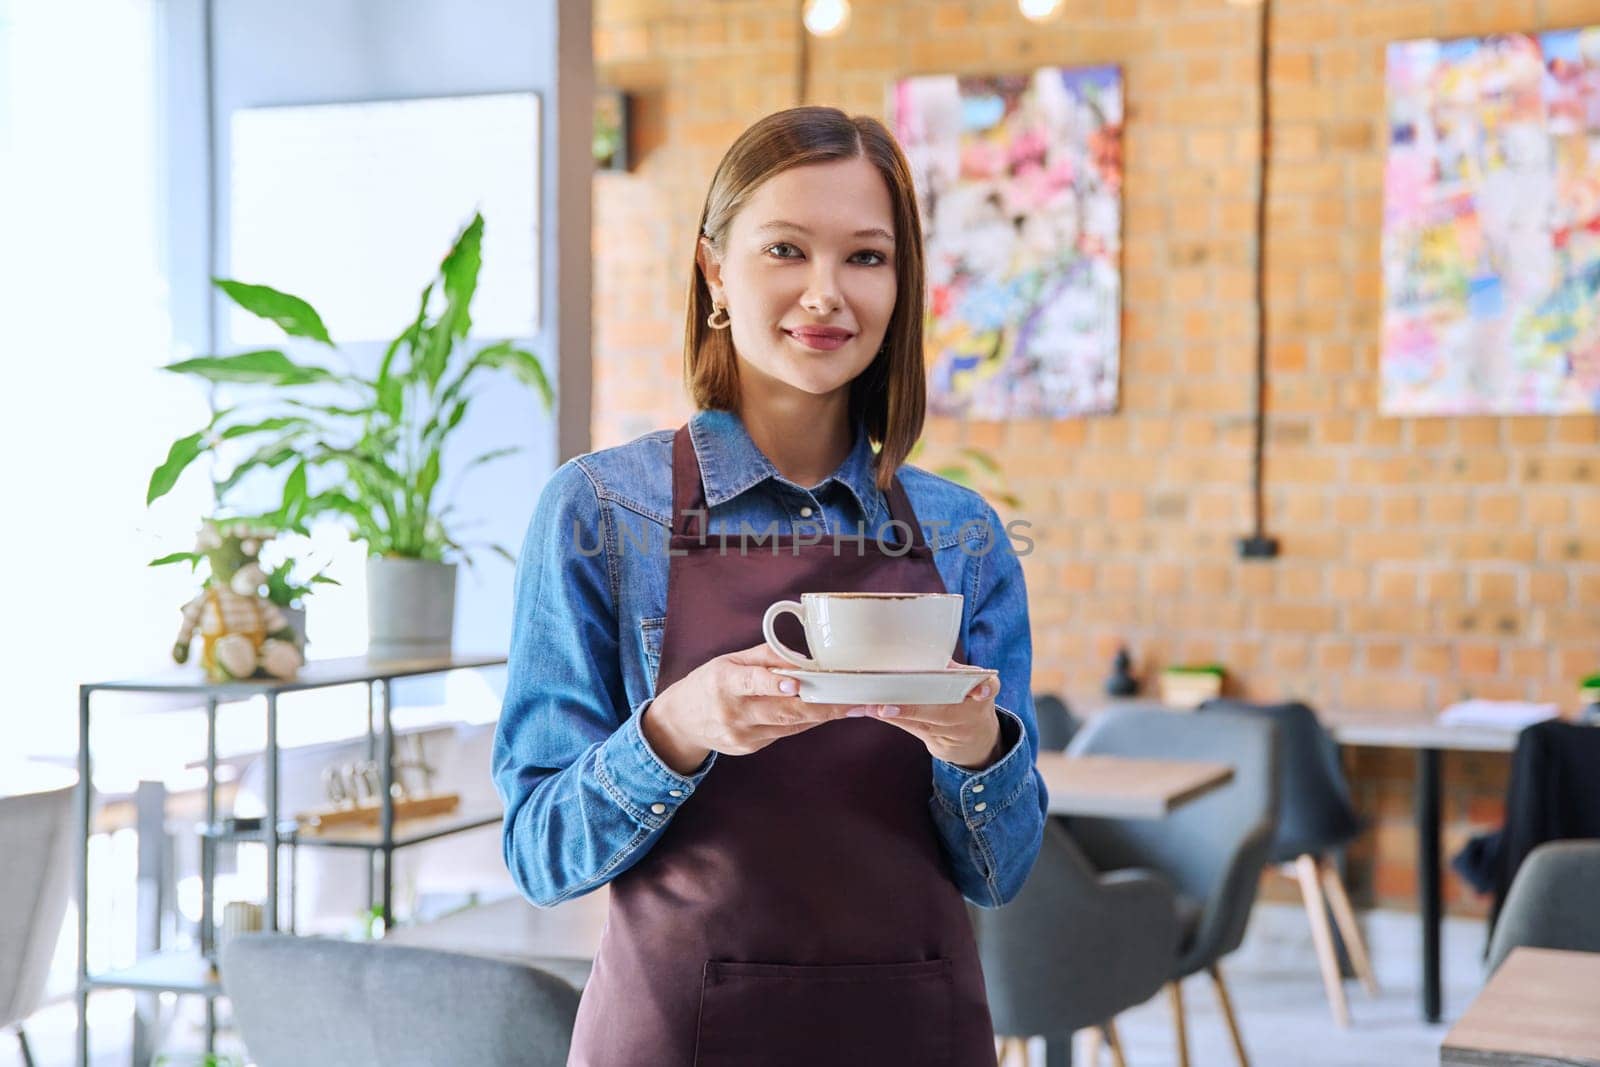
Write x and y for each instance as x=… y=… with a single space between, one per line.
x=1491 y=231
x=1019 y=179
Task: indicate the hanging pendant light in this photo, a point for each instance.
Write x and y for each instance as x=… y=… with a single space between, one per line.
x=1039 y=10
x=826 y=18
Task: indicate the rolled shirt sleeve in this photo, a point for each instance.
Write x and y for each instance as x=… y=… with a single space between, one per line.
x=992 y=821
x=585 y=797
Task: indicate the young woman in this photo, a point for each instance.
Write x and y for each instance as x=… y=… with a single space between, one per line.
x=786 y=878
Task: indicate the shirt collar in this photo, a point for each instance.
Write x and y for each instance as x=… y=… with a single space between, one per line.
x=730 y=463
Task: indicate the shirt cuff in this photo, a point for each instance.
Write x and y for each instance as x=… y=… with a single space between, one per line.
x=977 y=797
x=638 y=780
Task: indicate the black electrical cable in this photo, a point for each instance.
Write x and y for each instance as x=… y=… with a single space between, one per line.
x=1259 y=545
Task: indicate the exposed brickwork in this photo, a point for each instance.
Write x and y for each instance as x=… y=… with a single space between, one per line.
x=1423 y=559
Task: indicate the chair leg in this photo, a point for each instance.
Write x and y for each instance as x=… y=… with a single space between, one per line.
x=1345 y=916
x=1114 y=1042
x=1180 y=1030
x=1322 y=936
x=1227 y=1014
x=1089 y=1050
x=1010 y=1046
x=22 y=1046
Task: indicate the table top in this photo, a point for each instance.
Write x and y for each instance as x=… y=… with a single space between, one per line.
x=1121 y=787
x=316 y=674
x=1540 y=1009
x=516 y=929
x=1377 y=730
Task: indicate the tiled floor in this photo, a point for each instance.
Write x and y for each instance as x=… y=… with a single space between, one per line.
x=1273 y=980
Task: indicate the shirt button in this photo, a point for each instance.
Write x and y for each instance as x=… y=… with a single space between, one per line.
x=978 y=788
x=805 y=513
x=674 y=792
x=658 y=808
x=979 y=806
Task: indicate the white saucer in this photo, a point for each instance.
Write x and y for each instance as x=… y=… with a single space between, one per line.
x=949 y=686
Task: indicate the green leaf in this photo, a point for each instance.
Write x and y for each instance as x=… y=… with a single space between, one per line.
x=525 y=365
x=184 y=451
x=266 y=367
x=277 y=422
x=294 y=493
x=982 y=459
x=490 y=456
x=433 y=430
x=331 y=409
x=391 y=397
x=272 y=454
x=428 y=477
x=338 y=503
x=190 y=558
x=460 y=272
x=293 y=315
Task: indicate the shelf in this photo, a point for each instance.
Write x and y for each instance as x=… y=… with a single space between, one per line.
x=407 y=832
x=177 y=971
x=317 y=674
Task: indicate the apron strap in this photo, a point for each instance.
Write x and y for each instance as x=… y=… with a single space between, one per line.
x=689 y=509
x=900 y=510
x=688 y=489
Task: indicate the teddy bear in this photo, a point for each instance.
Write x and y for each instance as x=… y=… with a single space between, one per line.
x=242 y=632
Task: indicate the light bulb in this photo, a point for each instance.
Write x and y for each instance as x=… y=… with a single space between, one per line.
x=1038 y=10
x=826 y=18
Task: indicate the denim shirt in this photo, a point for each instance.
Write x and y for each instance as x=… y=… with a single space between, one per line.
x=585 y=796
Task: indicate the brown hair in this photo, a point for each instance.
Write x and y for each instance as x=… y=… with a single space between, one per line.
x=890 y=397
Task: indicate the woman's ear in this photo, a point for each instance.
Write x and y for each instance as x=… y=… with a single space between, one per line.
x=711 y=267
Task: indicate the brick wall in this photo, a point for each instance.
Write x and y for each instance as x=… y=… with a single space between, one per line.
x=1423 y=559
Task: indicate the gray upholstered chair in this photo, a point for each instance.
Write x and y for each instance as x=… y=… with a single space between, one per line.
x=36 y=847
x=1055 y=720
x=1075 y=947
x=304 y=1000
x=1552 y=902
x=1213 y=849
x=1315 y=818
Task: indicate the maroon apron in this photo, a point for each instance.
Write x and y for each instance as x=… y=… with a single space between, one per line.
x=798 y=909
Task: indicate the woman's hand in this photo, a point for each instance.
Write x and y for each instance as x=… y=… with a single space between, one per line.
x=734 y=705
x=965 y=734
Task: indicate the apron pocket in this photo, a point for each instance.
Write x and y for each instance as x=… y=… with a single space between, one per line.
x=779 y=1015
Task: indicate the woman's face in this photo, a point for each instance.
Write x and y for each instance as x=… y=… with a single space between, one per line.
x=807 y=275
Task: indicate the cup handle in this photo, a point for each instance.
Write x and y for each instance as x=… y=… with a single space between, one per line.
x=795 y=608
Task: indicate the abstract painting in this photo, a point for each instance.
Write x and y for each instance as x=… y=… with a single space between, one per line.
x=1491 y=226
x=1019 y=181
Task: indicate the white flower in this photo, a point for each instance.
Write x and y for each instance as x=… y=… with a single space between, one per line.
x=250 y=546
x=280 y=658
x=247 y=579
x=235 y=655
x=207 y=539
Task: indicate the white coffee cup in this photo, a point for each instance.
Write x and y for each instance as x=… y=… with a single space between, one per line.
x=871 y=631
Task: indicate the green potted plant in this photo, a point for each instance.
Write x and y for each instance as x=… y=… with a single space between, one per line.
x=1188 y=685
x=366 y=449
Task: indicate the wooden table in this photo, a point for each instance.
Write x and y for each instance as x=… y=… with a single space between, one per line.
x=1541 y=1009
x=1120 y=787
x=1428 y=739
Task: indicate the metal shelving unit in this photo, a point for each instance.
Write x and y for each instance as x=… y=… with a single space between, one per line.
x=186 y=972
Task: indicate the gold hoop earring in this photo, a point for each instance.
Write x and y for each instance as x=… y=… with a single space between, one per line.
x=711 y=319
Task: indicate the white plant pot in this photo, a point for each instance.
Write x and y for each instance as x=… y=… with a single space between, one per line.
x=297 y=623
x=411 y=608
